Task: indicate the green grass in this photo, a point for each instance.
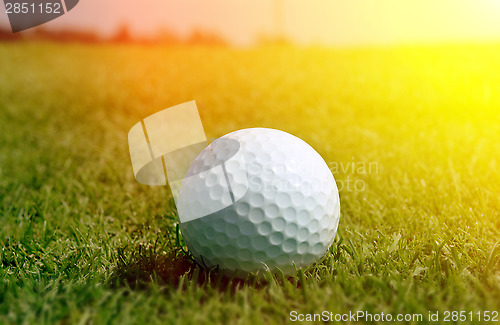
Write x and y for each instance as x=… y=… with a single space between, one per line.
x=82 y=242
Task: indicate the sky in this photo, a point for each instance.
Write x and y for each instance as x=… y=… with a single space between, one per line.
x=327 y=22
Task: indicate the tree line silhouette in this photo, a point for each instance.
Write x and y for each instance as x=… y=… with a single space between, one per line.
x=123 y=35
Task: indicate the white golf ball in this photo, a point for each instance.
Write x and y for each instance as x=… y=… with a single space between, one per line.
x=258 y=199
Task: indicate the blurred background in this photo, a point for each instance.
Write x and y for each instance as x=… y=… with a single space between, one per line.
x=246 y=23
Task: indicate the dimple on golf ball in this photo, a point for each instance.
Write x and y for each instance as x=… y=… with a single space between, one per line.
x=258 y=199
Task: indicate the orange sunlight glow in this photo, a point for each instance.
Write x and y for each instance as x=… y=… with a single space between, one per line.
x=326 y=22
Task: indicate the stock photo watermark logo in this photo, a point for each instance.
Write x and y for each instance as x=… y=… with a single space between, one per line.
x=354 y=171
x=163 y=146
x=26 y=14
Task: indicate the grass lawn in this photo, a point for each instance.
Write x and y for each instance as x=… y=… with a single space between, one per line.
x=82 y=242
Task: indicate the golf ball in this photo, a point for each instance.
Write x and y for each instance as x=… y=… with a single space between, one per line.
x=258 y=199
